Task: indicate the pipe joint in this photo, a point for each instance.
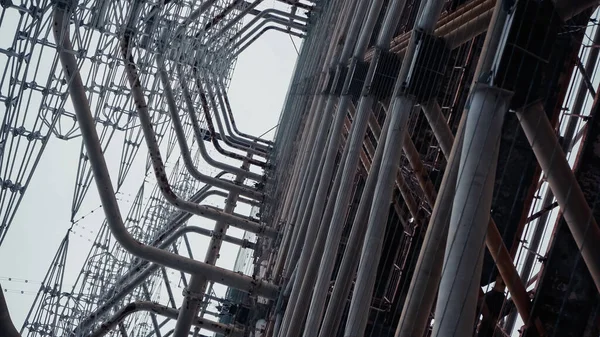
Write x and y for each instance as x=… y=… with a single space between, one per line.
x=192 y=295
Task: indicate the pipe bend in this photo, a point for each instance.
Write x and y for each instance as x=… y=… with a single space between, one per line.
x=185 y=151
x=250 y=143
x=104 y=183
x=162 y=310
x=236 y=49
x=223 y=93
x=231 y=141
x=211 y=127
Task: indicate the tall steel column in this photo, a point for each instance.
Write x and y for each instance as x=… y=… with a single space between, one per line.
x=198 y=283
x=313 y=250
x=400 y=110
x=459 y=286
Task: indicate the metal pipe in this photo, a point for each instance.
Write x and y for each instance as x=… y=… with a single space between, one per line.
x=234 y=142
x=223 y=93
x=233 y=44
x=310 y=155
x=239 y=50
x=227 y=114
x=564 y=185
x=422 y=291
x=302 y=161
x=158 y=309
x=428 y=270
x=232 y=22
x=267 y=15
x=104 y=184
x=156 y=158
x=181 y=140
x=138 y=273
x=459 y=286
x=313 y=214
x=211 y=127
x=582 y=93
x=344 y=280
x=197 y=287
x=199 y=135
x=400 y=110
x=356 y=136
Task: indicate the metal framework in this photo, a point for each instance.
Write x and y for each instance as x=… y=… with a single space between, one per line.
x=434 y=171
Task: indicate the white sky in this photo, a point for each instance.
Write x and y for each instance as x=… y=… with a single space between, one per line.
x=257 y=91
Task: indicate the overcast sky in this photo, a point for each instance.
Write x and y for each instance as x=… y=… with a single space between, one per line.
x=257 y=91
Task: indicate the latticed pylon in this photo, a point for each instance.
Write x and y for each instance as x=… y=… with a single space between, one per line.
x=43 y=318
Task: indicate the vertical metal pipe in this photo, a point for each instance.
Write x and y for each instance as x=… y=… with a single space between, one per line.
x=424 y=283
x=463 y=261
x=320 y=184
x=428 y=270
x=311 y=182
x=197 y=287
x=400 y=110
x=372 y=246
x=343 y=284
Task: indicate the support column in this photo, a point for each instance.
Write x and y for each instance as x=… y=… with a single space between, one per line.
x=560 y=177
x=459 y=286
x=194 y=294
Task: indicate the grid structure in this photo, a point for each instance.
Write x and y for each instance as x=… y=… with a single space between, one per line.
x=434 y=171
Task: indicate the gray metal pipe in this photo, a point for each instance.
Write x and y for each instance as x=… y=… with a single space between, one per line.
x=235 y=42
x=239 y=49
x=221 y=95
x=564 y=185
x=317 y=161
x=319 y=256
x=137 y=274
x=184 y=149
x=198 y=283
x=400 y=110
x=426 y=277
x=345 y=277
x=235 y=143
x=104 y=183
x=223 y=92
x=199 y=135
x=156 y=157
x=424 y=284
x=459 y=286
x=267 y=15
x=303 y=161
x=158 y=309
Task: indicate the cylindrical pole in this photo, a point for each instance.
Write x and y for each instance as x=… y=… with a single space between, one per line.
x=564 y=185
x=400 y=110
x=463 y=261
x=197 y=286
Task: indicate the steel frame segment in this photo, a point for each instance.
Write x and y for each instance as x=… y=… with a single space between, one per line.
x=313 y=167
x=184 y=149
x=104 y=182
x=400 y=109
x=565 y=187
x=313 y=212
x=457 y=298
x=305 y=148
x=132 y=279
x=318 y=158
x=171 y=313
x=233 y=142
x=199 y=136
x=198 y=283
